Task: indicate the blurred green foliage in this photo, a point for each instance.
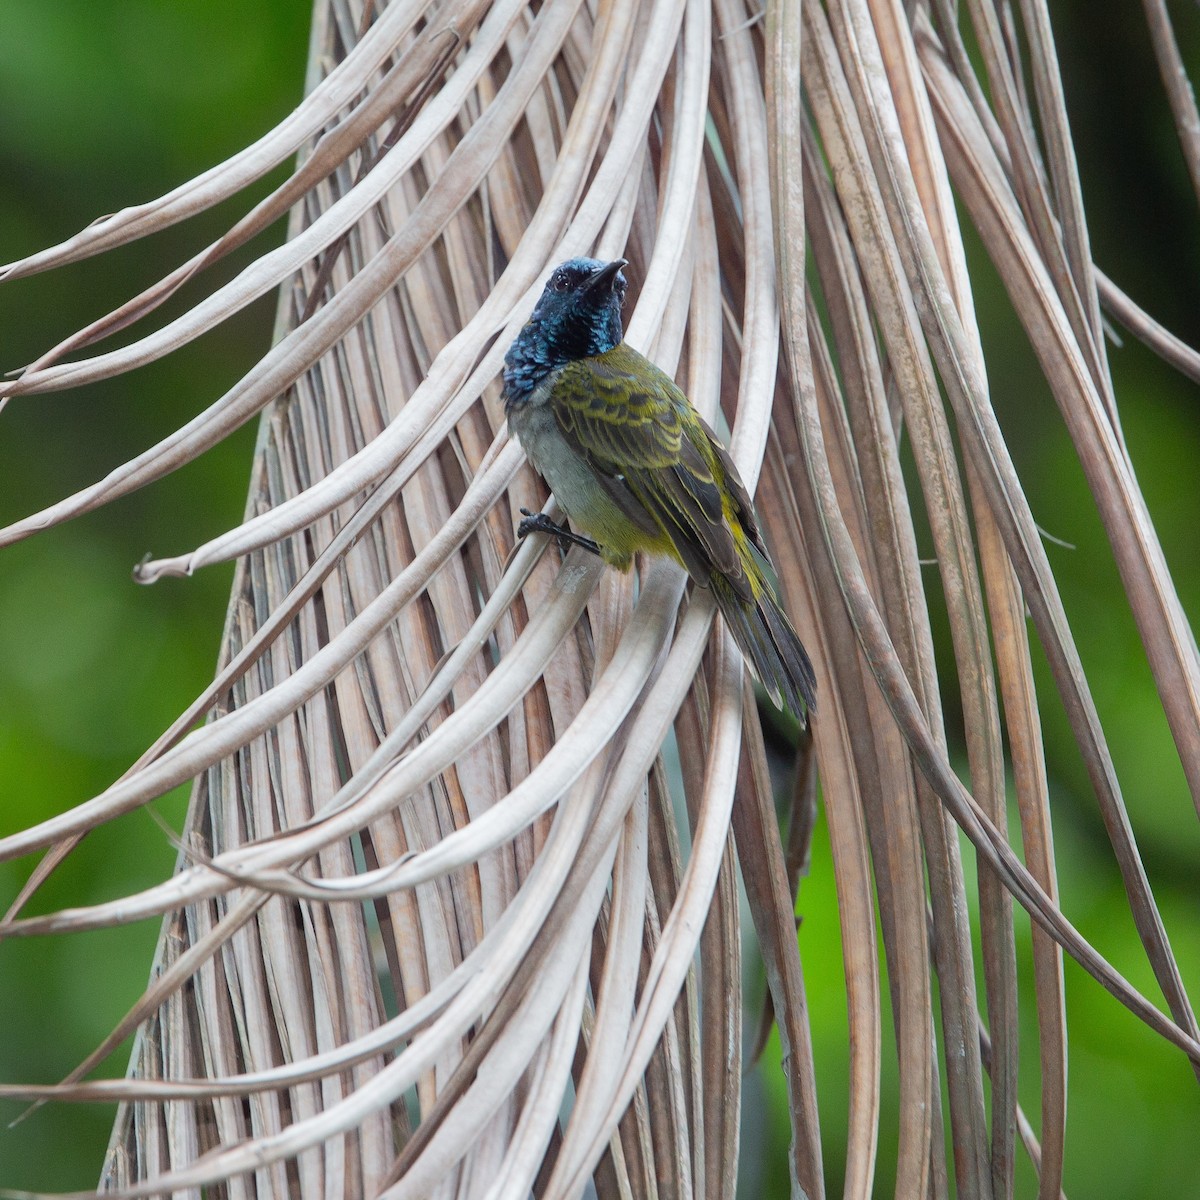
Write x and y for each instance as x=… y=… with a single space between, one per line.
x=108 y=102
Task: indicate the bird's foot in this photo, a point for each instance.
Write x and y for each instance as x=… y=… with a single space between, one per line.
x=540 y=523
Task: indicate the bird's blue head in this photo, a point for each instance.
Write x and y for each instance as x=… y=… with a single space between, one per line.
x=578 y=316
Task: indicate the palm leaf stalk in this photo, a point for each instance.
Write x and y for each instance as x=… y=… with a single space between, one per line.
x=443 y=923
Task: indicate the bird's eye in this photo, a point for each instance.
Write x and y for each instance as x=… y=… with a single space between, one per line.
x=558 y=282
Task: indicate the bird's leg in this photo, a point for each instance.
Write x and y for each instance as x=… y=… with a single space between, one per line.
x=540 y=523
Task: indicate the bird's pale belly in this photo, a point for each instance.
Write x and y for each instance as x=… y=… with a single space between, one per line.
x=589 y=507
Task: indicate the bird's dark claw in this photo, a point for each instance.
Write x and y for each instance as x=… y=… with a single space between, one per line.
x=540 y=523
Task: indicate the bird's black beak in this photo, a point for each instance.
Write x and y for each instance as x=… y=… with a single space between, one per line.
x=602 y=278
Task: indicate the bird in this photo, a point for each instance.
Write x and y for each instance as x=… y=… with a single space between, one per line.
x=636 y=468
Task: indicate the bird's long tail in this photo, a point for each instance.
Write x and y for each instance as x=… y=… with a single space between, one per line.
x=769 y=644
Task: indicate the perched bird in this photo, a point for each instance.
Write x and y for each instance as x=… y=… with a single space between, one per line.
x=635 y=467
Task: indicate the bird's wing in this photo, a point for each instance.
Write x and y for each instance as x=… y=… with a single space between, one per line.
x=648 y=445
x=742 y=504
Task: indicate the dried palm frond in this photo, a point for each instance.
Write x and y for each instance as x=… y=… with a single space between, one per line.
x=443 y=922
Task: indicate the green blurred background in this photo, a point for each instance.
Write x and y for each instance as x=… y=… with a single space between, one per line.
x=109 y=102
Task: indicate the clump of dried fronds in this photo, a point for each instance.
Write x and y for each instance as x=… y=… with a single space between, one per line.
x=432 y=758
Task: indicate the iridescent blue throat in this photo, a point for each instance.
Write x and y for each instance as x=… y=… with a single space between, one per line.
x=568 y=324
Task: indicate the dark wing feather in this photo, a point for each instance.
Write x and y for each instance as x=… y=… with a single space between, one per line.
x=654 y=454
x=743 y=505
